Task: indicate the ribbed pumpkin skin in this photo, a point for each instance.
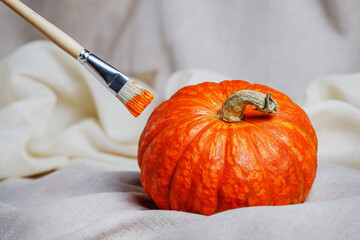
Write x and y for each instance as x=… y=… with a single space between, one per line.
x=192 y=161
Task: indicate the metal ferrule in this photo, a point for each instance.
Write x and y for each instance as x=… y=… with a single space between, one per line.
x=109 y=76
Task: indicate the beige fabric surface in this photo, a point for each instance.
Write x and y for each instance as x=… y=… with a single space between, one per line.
x=285 y=44
x=94 y=204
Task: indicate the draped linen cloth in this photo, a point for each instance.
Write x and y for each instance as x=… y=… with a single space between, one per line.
x=55 y=116
x=95 y=204
x=283 y=44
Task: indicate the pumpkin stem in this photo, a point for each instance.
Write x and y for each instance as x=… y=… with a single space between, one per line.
x=233 y=108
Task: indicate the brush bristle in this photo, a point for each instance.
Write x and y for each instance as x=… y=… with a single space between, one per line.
x=134 y=98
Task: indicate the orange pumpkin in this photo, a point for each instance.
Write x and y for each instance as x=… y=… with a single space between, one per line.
x=218 y=146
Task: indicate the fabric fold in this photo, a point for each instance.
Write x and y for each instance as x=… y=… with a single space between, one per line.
x=54 y=112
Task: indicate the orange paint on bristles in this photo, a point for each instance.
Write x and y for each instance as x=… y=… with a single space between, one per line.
x=139 y=102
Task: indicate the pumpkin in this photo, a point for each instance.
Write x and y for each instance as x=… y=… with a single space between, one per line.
x=218 y=146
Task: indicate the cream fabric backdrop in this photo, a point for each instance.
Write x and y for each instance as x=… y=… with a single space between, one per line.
x=55 y=114
x=284 y=44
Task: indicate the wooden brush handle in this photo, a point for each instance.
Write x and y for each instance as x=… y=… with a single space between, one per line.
x=53 y=33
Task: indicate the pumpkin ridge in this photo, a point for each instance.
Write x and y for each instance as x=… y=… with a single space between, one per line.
x=222 y=170
x=314 y=143
x=235 y=134
x=154 y=168
x=212 y=130
x=182 y=154
x=301 y=128
x=155 y=115
x=207 y=87
x=264 y=171
x=308 y=122
x=291 y=153
x=306 y=136
x=162 y=129
x=208 y=104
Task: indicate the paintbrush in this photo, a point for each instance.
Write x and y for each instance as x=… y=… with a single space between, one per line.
x=135 y=98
